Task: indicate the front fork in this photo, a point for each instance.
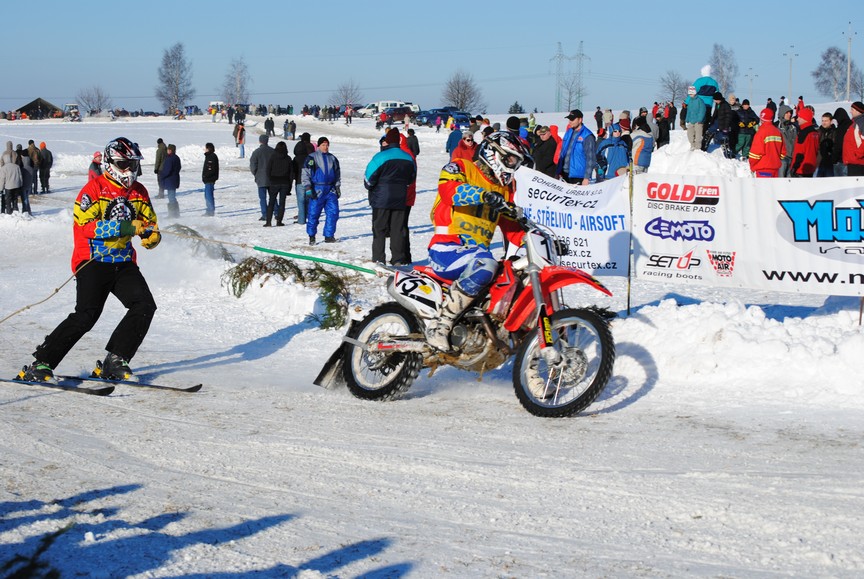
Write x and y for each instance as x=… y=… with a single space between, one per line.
x=544 y=325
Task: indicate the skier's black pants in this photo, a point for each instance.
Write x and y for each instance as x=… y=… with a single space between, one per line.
x=95 y=281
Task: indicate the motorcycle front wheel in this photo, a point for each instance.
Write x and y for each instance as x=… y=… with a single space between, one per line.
x=587 y=353
x=381 y=375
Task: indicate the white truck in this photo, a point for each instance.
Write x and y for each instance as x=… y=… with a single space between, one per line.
x=373 y=109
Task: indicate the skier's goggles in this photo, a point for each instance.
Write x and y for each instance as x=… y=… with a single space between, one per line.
x=127 y=164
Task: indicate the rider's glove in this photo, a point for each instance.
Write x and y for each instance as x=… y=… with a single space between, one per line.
x=495 y=200
x=150 y=237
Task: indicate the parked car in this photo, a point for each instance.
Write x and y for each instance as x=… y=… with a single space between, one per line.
x=399 y=114
x=428 y=117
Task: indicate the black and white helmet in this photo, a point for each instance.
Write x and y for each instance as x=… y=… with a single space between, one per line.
x=121 y=161
x=503 y=152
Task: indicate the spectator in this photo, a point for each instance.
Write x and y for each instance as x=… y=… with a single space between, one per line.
x=598 y=118
x=842 y=120
x=438 y=124
x=157 y=166
x=95 y=166
x=578 y=151
x=209 y=175
x=748 y=122
x=258 y=166
x=770 y=104
x=285 y=128
x=322 y=181
x=413 y=143
x=28 y=174
x=45 y=166
x=169 y=175
x=825 y=158
x=694 y=119
x=240 y=138
x=721 y=125
x=466 y=148
x=302 y=150
x=789 y=132
x=613 y=154
x=544 y=151
x=453 y=140
x=705 y=86
x=643 y=145
x=853 y=142
x=608 y=119
x=663 y=129
x=782 y=108
x=806 y=145
x=11 y=181
x=671 y=114
x=36 y=159
x=767 y=151
x=389 y=176
x=280 y=172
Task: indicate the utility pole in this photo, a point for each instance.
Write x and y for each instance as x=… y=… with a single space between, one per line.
x=791 y=54
x=849 y=59
x=559 y=59
x=580 y=58
x=750 y=76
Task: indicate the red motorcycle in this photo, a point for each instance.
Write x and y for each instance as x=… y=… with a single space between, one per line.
x=563 y=356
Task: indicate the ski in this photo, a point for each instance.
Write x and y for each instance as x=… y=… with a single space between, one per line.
x=149 y=385
x=93 y=391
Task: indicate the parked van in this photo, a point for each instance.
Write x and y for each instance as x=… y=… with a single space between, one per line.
x=373 y=109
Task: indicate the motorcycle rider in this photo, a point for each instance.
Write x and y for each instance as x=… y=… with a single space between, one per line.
x=465 y=214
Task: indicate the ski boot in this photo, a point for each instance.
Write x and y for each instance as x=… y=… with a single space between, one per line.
x=37 y=372
x=114 y=368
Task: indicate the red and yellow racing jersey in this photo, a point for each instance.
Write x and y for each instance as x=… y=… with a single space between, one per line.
x=99 y=208
x=459 y=213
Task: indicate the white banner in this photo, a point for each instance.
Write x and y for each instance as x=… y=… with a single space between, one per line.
x=793 y=235
x=594 y=220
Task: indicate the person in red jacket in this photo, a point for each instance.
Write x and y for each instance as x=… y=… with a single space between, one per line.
x=806 y=150
x=766 y=152
x=95 y=166
x=465 y=149
x=853 y=142
x=109 y=211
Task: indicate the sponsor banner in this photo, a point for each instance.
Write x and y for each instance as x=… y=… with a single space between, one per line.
x=794 y=235
x=593 y=221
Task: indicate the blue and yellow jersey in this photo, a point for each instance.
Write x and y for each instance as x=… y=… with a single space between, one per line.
x=99 y=208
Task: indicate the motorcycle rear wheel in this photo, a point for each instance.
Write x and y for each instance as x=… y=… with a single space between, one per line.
x=381 y=375
x=584 y=340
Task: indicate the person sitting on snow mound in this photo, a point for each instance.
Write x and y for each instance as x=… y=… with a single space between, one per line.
x=465 y=214
x=109 y=211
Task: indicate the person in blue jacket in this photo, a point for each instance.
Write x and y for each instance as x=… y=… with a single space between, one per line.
x=643 y=145
x=388 y=177
x=169 y=177
x=321 y=182
x=706 y=85
x=613 y=154
x=578 y=151
x=453 y=140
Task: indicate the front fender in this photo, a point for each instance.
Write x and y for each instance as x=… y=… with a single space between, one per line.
x=552 y=278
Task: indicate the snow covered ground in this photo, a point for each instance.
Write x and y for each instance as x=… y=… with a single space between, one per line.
x=729 y=442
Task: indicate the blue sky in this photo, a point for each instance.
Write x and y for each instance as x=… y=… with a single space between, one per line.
x=300 y=52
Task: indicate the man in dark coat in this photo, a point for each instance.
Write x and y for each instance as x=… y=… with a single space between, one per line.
x=412 y=143
x=721 y=124
x=301 y=150
x=169 y=177
x=45 y=166
x=544 y=151
x=388 y=176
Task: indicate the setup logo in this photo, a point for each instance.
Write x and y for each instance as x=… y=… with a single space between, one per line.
x=681 y=262
x=681 y=193
x=722 y=261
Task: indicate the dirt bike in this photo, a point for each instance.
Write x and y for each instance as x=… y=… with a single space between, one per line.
x=563 y=356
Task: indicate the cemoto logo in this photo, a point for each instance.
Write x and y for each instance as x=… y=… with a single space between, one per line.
x=680 y=193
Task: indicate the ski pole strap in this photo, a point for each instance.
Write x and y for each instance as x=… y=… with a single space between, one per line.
x=315 y=259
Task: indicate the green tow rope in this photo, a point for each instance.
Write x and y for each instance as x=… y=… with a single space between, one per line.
x=316 y=259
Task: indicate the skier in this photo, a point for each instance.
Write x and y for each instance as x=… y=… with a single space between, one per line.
x=465 y=215
x=108 y=212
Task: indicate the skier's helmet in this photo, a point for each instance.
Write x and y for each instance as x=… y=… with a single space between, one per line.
x=503 y=152
x=121 y=161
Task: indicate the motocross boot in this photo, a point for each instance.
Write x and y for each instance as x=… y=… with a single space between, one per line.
x=454 y=304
